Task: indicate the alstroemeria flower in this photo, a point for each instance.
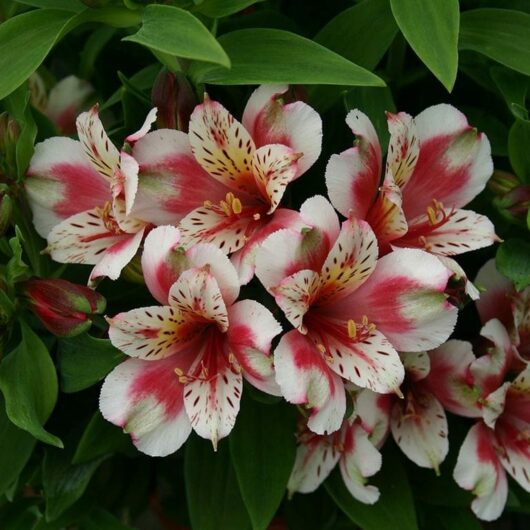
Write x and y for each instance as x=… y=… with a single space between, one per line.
x=224 y=180
x=189 y=356
x=355 y=447
x=436 y=164
x=81 y=194
x=499 y=441
x=501 y=300
x=351 y=311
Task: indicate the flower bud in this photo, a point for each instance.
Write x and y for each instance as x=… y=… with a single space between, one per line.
x=63 y=307
x=173 y=95
x=6 y=209
x=502 y=182
x=514 y=205
x=9 y=133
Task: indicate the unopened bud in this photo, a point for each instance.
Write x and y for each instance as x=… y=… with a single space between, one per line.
x=514 y=205
x=9 y=133
x=6 y=209
x=64 y=308
x=502 y=182
x=173 y=95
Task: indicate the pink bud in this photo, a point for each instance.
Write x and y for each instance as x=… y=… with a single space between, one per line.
x=515 y=203
x=63 y=307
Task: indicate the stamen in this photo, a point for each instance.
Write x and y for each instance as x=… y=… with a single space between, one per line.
x=237 y=207
x=352 y=329
x=431 y=214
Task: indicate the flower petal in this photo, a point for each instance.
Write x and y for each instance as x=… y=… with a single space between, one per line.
x=419 y=427
x=373 y=410
x=305 y=378
x=129 y=170
x=417 y=365
x=353 y=176
x=171 y=183
x=454 y=162
x=144 y=129
x=478 y=470
x=252 y=328
x=145 y=398
x=270 y=121
x=222 y=146
x=61 y=182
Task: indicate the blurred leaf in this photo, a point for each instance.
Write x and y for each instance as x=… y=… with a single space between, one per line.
x=214 y=500
x=519 y=149
x=263 y=469
x=20 y=515
x=512 y=85
x=42 y=28
x=431 y=29
x=67 y=5
x=395 y=507
x=17 y=446
x=29 y=383
x=177 y=32
x=16 y=269
x=63 y=482
x=311 y=511
x=100 y=519
x=486 y=122
x=95 y=43
x=84 y=361
x=457 y=518
x=500 y=34
x=513 y=261
x=223 y=8
x=261 y=55
x=100 y=438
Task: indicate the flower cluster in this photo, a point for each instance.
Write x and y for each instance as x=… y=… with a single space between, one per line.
x=368 y=301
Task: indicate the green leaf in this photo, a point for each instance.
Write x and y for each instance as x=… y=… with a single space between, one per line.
x=223 y=8
x=16 y=268
x=17 y=446
x=395 y=507
x=63 y=482
x=29 y=384
x=100 y=438
x=513 y=261
x=519 y=149
x=84 y=361
x=18 y=60
x=214 y=500
x=500 y=34
x=177 y=32
x=261 y=55
x=67 y=5
x=100 y=519
x=513 y=87
x=272 y=461
x=431 y=29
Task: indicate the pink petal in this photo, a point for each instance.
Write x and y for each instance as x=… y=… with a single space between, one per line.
x=352 y=178
x=417 y=365
x=252 y=328
x=454 y=162
x=101 y=152
x=116 y=257
x=404 y=298
x=61 y=182
x=222 y=146
x=478 y=470
x=144 y=129
x=145 y=398
x=270 y=121
x=171 y=183
x=317 y=212
x=419 y=427
x=372 y=410
x=304 y=378
x=129 y=170
x=360 y=461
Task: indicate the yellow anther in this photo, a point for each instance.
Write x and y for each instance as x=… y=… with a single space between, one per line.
x=178 y=371
x=431 y=214
x=371 y=327
x=225 y=207
x=237 y=207
x=321 y=348
x=352 y=329
x=364 y=320
x=207 y=204
x=229 y=197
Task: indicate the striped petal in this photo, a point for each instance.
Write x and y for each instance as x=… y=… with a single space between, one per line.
x=144 y=129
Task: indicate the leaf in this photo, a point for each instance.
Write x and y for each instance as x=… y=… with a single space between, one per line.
x=261 y=55
x=211 y=482
x=513 y=87
x=67 y=5
x=223 y=8
x=17 y=446
x=42 y=28
x=431 y=29
x=518 y=149
x=84 y=361
x=16 y=270
x=500 y=34
x=395 y=507
x=177 y=32
x=63 y=482
x=99 y=519
x=485 y=121
x=513 y=261
x=263 y=450
x=29 y=384
x=100 y=438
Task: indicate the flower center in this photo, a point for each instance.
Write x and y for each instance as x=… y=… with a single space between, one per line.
x=106 y=215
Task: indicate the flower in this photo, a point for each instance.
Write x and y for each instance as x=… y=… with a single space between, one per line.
x=351 y=311
x=436 y=164
x=63 y=307
x=189 y=356
x=224 y=180
x=81 y=194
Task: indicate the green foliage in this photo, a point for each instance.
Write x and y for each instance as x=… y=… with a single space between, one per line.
x=513 y=260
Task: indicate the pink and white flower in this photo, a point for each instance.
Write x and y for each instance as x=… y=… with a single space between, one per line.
x=188 y=356
x=224 y=180
x=81 y=194
x=436 y=164
x=351 y=311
